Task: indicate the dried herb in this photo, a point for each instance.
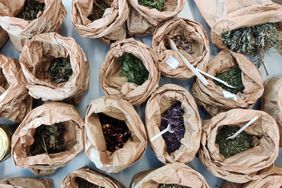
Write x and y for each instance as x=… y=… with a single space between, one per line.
x=172 y=186
x=233 y=77
x=82 y=183
x=173 y=116
x=115 y=131
x=4 y=85
x=31 y=10
x=99 y=7
x=234 y=146
x=60 y=70
x=48 y=139
x=157 y=4
x=133 y=69
x=253 y=41
x=182 y=43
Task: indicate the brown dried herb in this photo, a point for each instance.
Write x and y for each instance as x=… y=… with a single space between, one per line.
x=182 y=43
x=99 y=7
x=173 y=116
x=82 y=183
x=31 y=10
x=231 y=147
x=48 y=139
x=115 y=131
x=60 y=70
x=172 y=186
x=232 y=76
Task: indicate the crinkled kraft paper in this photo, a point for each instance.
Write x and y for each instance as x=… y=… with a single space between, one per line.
x=174 y=173
x=211 y=96
x=48 y=114
x=15 y=102
x=95 y=147
x=244 y=166
x=36 y=58
x=113 y=83
x=160 y=101
x=225 y=15
x=143 y=20
x=111 y=27
x=26 y=182
x=272 y=101
x=194 y=33
x=91 y=176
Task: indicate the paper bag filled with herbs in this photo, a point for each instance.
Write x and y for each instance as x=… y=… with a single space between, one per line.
x=272 y=100
x=248 y=27
x=22 y=182
x=31 y=17
x=130 y=71
x=174 y=175
x=240 y=158
x=190 y=39
x=48 y=138
x=87 y=178
x=15 y=102
x=245 y=85
x=55 y=68
x=115 y=135
x=100 y=18
x=145 y=15
x=173 y=107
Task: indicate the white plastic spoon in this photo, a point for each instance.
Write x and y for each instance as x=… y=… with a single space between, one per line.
x=168 y=129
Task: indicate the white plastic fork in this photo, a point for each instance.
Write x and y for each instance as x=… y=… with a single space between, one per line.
x=167 y=129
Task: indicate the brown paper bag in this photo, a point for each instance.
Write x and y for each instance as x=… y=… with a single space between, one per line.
x=95 y=144
x=110 y=72
x=190 y=30
x=162 y=99
x=232 y=185
x=48 y=114
x=143 y=20
x=36 y=59
x=20 y=30
x=174 y=173
x=91 y=176
x=15 y=102
x=244 y=166
x=271 y=101
x=25 y=182
x=111 y=27
x=271 y=179
x=211 y=96
x=227 y=15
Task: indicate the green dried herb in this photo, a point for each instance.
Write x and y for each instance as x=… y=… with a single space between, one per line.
x=172 y=186
x=157 y=4
x=82 y=183
x=253 y=41
x=99 y=7
x=133 y=69
x=48 y=139
x=31 y=9
x=60 y=70
x=234 y=146
x=233 y=77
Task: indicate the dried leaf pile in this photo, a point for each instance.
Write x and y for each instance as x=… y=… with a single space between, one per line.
x=60 y=70
x=31 y=10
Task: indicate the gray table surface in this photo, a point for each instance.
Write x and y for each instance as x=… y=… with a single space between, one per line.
x=96 y=51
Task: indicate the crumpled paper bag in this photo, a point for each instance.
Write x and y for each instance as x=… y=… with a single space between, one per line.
x=211 y=97
x=174 y=173
x=162 y=99
x=111 y=27
x=25 y=182
x=95 y=143
x=244 y=166
x=113 y=83
x=35 y=60
x=190 y=30
x=48 y=114
x=15 y=102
